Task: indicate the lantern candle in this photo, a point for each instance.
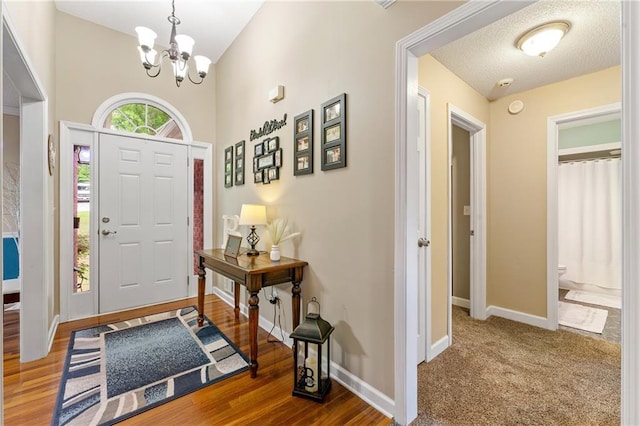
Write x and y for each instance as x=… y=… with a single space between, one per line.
x=312 y=372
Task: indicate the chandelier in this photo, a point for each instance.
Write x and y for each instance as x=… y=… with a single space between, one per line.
x=179 y=52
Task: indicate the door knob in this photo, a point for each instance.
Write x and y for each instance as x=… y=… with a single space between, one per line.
x=423 y=242
x=107 y=232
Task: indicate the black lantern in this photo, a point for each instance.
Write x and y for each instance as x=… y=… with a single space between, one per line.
x=311 y=356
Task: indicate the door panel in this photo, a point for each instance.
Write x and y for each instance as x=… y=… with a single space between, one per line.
x=143 y=222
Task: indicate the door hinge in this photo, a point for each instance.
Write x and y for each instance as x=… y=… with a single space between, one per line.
x=188 y=280
x=188 y=221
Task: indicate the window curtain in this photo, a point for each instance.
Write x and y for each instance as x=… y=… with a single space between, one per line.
x=590 y=222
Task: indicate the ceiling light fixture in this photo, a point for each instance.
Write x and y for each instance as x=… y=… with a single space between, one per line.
x=179 y=52
x=541 y=40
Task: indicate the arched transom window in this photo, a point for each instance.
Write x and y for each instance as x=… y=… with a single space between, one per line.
x=143 y=118
x=142 y=114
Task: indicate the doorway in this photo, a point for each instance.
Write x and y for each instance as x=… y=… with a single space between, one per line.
x=36 y=206
x=180 y=170
x=462 y=21
x=467 y=253
x=554 y=126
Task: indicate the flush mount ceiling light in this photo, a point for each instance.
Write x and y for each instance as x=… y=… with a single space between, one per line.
x=541 y=40
x=179 y=52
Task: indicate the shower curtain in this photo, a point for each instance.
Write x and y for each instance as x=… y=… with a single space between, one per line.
x=590 y=222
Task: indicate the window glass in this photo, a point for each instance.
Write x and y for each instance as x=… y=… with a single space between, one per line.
x=143 y=118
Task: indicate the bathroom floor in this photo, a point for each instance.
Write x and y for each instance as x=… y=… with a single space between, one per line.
x=611 y=330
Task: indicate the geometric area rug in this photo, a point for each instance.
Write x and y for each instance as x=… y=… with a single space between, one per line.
x=115 y=371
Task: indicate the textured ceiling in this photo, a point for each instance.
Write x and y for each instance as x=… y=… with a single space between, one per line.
x=483 y=58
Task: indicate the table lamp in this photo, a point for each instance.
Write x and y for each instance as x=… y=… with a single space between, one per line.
x=252 y=215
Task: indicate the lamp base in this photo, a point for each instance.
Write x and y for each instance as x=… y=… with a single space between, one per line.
x=253 y=252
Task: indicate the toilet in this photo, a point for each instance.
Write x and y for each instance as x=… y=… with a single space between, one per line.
x=562 y=269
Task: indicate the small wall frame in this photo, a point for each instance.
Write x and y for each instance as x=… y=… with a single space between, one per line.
x=239 y=163
x=267 y=160
x=228 y=167
x=303 y=144
x=334 y=133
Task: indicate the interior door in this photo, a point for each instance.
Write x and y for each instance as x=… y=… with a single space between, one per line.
x=143 y=209
x=424 y=231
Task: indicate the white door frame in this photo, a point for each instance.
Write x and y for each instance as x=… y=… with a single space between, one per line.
x=85 y=304
x=36 y=201
x=478 y=219
x=462 y=21
x=425 y=351
x=554 y=124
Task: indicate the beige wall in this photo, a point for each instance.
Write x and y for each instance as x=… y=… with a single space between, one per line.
x=11 y=161
x=516 y=181
x=318 y=50
x=461 y=196
x=516 y=186
x=110 y=65
x=445 y=88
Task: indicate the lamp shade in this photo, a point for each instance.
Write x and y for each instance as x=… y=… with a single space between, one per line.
x=253 y=214
x=185 y=45
x=146 y=37
x=202 y=64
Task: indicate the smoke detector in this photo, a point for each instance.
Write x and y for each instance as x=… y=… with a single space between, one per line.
x=505 y=82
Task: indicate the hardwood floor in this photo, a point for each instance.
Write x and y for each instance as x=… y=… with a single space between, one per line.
x=30 y=389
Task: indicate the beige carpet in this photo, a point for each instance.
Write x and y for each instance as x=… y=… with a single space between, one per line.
x=500 y=372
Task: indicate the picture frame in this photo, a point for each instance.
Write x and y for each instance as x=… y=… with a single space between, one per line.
x=258 y=176
x=277 y=158
x=303 y=143
x=257 y=150
x=239 y=163
x=273 y=173
x=334 y=133
x=266 y=161
x=303 y=163
x=273 y=144
x=228 y=167
x=233 y=246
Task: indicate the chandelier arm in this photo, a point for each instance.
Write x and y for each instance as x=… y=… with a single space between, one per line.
x=195 y=82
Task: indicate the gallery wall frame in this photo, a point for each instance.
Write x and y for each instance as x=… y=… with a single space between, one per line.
x=303 y=144
x=333 y=118
x=267 y=160
x=228 y=167
x=239 y=163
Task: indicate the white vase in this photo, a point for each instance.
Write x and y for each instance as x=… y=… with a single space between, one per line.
x=275 y=253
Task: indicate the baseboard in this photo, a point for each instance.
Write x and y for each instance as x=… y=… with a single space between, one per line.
x=357 y=386
x=263 y=323
x=459 y=301
x=438 y=347
x=534 y=320
x=52 y=331
x=363 y=390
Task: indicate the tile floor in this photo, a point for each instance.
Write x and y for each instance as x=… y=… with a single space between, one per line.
x=611 y=330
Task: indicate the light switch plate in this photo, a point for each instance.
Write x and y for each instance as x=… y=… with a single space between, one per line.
x=466 y=210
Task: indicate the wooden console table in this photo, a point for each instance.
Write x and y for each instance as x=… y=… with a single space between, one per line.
x=253 y=272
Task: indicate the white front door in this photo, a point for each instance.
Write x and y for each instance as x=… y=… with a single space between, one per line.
x=142 y=222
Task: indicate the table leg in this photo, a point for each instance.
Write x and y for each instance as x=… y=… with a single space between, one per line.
x=201 y=285
x=236 y=299
x=254 y=312
x=295 y=297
